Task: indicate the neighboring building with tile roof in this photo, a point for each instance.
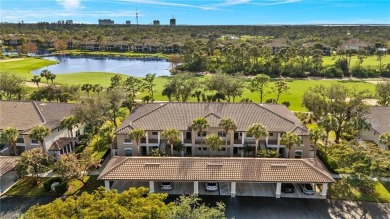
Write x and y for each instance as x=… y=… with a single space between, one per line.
x=25 y=115
x=379 y=119
x=7 y=163
x=156 y=117
x=273 y=171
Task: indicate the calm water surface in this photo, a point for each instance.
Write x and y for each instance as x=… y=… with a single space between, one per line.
x=133 y=67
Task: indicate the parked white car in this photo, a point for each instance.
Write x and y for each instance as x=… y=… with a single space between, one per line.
x=307 y=189
x=166 y=186
x=211 y=186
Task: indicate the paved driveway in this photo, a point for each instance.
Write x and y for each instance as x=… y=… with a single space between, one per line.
x=292 y=208
x=14 y=206
x=6 y=181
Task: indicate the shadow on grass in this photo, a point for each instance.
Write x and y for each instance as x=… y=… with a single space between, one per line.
x=26 y=187
x=89 y=185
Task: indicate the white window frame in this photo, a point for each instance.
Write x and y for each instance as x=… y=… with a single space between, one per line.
x=299 y=151
x=33 y=143
x=222 y=134
x=128 y=149
x=127 y=138
x=204 y=133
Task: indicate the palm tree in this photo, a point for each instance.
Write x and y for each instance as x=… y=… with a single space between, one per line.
x=315 y=135
x=36 y=80
x=46 y=73
x=290 y=140
x=200 y=124
x=52 y=77
x=228 y=125
x=385 y=139
x=257 y=130
x=171 y=135
x=214 y=143
x=137 y=135
x=69 y=122
x=10 y=135
x=39 y=133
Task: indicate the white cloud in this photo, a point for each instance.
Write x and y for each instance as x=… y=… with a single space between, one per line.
x=164 y=3
x=276 y=2
x=69 y=4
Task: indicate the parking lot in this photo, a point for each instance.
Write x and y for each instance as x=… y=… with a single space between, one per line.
x=242 y=189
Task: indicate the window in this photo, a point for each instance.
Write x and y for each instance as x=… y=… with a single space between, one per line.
x=20 y=140
x=127 y=139
x=301 y=139
x=222 y=134
x=128 y=152
x=154 y=133
x=298 y=154
x=77 y=133
x=33 y=141
x=271 y=134
x=203 y=134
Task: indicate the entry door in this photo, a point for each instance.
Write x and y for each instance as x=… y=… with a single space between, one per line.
x=143 y=151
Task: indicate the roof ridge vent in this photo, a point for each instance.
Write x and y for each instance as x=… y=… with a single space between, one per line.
x=152 y=164
x=214 y=164
x=279 y=165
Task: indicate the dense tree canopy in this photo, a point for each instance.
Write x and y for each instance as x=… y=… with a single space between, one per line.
x=342 y=103
x=132 y=203
x=11 y=85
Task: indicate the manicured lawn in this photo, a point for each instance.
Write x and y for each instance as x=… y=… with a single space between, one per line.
x=344 y=191
x=25 y=187
x=297 y=87
x=370 y=61
x=102 y=78
x=25 y=66
x=76 y=187
x=386 y=185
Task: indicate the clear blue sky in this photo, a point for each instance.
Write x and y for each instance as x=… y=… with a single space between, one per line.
x=200 y=12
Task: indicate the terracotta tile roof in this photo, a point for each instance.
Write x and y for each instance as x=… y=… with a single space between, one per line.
x=379 y=118
x=61 y=143
x=7 y=163
x=24 y=115
x=215 y=169
x=154 y=117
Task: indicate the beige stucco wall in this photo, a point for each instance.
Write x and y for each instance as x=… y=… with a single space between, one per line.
x=371 y=135
x=48 y=141
x=305 y=147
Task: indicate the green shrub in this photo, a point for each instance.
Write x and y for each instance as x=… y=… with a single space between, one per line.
x=62 y=187
x=47 y=184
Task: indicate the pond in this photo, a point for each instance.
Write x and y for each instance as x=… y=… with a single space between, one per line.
x=128 y=66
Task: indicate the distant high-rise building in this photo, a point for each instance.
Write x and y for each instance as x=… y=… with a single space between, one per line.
x=128 y=22
x=106 y=22
x=156 y=22
x=172 y=22
x=69 y=22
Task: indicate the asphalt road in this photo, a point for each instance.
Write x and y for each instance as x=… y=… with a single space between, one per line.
x=245 y=207
x=14 y=206
x=291 y=208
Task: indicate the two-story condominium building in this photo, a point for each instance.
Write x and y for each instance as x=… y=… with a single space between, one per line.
x=157 y=117
x=237 y=175
x=25 y=115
